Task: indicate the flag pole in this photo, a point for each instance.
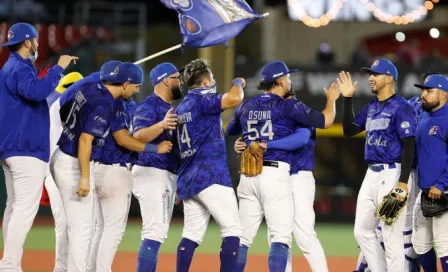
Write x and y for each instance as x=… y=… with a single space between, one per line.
x=172 y=48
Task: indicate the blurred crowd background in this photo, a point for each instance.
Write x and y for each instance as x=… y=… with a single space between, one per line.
x=320 y=37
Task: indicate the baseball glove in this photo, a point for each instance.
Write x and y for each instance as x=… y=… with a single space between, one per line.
x=434 y=207
x=389 y=209
x=252 y=160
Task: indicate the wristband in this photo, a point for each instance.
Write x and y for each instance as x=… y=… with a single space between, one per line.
x=237 y=82
x=150 y=148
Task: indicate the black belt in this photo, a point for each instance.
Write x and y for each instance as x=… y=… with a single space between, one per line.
x=270 y=164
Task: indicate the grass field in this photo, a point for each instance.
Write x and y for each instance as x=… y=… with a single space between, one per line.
x=337 y=240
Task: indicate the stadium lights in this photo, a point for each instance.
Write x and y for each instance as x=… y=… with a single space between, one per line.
x=399 y=36
x=323 y=20
x=434 y=33
x=405 y=19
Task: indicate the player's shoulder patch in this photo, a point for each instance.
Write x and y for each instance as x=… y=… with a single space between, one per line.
x=405 y=124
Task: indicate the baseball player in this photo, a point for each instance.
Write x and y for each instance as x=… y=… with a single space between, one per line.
x=389 y=152
x=430 y=210
x=410 y=254
x=113 y=184
x=49 y=184
x=268 y=117
x=204 y=183
x=24 y=137
x=86 y=126
x=155 y=175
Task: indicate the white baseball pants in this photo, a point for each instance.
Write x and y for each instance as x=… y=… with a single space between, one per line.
x=60 y=223
x=24 y=179
x=267 y=195
x=218 y=201
x=113 y=198
x=429 y=232
x=79 y=211
x=155 y=190
x=375 y=187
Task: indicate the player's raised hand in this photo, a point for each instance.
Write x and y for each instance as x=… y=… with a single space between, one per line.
x=240 y=145
x=333 y=92
x=164 y=147
x=83 y=187
x=65 y=60
x=346 y=85
x=170 y=120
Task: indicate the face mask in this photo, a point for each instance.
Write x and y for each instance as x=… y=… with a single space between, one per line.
x=33 y=57
x=176 y=92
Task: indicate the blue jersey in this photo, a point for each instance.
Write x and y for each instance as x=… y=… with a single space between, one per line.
x=89 y=111
x=386 y=123
x=70 y=92
x=416 y=104
x=148 y=113
x=303 y=158
x=432 y=149
x=200 y=136
x=269 y=117
x=111 y=152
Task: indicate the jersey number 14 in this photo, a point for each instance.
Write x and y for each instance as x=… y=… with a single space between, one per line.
x=182 y=136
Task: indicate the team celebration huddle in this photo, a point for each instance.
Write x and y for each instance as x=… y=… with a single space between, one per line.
x=83 y=141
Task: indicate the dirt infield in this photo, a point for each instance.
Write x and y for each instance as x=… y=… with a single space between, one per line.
x=43 y=261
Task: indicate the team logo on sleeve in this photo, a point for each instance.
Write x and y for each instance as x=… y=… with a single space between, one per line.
x=433 y=130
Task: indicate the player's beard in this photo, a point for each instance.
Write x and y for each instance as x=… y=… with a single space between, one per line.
x=290 y=93
x=176 y=93
x=427 y=106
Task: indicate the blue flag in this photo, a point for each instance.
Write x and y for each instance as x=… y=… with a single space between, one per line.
x=206 y=23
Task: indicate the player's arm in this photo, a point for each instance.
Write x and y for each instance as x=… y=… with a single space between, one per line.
x=292 y=142
x=235 y=95
x=352 y=124
x=125 y=140
x=143 y=123
x=438 y=188
x=405 y=125
x=29 y=86
x=329 y=111
x=234 y=126
x=84 y=155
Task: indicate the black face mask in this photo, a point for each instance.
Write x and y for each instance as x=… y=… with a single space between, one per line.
x=290 y=93
x=176 y=92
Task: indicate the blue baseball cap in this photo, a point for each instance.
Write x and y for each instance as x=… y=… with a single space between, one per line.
x=20 y=32
x=382 y=67
x=125 y=72
x=274 y=70
x=162 y=71
x=109 y=67
x=434 y=81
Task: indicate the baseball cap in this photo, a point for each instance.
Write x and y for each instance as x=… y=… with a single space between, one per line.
x=20 y=32
x=125 y=72
x=274 y=70
x=109 y=67
x=162 y=71
x=434 y=81
x=382 y=67
x=67 y=81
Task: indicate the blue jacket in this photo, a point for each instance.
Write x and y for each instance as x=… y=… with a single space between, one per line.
x=24 y=113
x=432 y=149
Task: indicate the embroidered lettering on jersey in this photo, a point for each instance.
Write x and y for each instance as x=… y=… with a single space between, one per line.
x=185 y=118
x=376 y=141
x=260 y=115
x=377 y=124
x=80 y=99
